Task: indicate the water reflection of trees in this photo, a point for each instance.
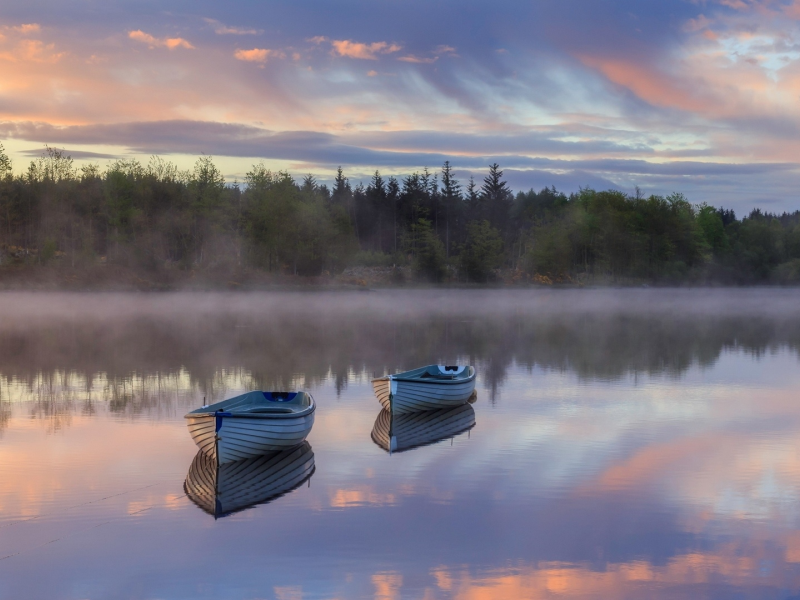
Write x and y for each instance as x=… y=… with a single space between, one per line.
x=158 y=366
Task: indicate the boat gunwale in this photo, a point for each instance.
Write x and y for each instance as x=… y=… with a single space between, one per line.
x=418 y=379
x=255 y=415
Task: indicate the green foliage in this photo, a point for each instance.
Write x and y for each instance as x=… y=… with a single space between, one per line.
x=156 y=216
x=294 y=228
x=710 y=222
x=53 y=166
x=787 y=273
x=48 y=251
x=482 y=252
x=5 y=164
x=551 y=250
x=427 y=251
x=371 y=258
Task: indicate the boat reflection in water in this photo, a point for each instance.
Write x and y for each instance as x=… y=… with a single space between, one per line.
x=230 y=487
x=396 y=433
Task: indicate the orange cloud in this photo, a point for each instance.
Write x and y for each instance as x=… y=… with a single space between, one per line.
x=32 y=51
x=153 y=42
x=258 y=54
x=363 y=51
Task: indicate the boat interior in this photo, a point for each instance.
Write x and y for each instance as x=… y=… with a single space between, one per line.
x=259 y=402
x=439 y=372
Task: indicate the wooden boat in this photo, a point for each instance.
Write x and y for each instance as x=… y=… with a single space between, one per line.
x=427 y=388
x=396 y=433
x=252 y=424
x=224 y=489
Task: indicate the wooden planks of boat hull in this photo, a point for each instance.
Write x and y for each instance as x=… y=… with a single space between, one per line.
x=410 y=397
x=240 y=438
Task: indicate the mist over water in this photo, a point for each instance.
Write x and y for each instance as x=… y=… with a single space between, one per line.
x=626 y=444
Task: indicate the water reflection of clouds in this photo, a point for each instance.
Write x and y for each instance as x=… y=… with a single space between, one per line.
x=583 y=479
x=725 y=572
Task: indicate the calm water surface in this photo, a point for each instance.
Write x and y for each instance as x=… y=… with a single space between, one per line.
x=627 y=444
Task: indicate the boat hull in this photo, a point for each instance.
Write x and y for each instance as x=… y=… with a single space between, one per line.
x=396 y=433
x=232 y=438
x=223 y=489
x=402 y=397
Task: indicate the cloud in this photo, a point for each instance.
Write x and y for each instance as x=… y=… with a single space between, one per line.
x=417 y=60
x=363 y=51
x=656 y=88
x=222 y=29
x=258 y=54
x=33 y=51
x=444 y=50
x=399 y=149
x=697 y=24
x=792 y=10
x=735 y=4
x=170 y=43
x=26 y=28
x=77 y=154
x=661 y=83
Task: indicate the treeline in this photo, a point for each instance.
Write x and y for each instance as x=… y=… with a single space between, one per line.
x=156 y=217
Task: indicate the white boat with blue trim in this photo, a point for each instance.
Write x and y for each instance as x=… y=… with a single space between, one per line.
x=252 y=424
x=427 y=388
x=221 y=490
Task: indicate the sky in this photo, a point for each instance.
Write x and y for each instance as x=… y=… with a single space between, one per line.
x=694 y=96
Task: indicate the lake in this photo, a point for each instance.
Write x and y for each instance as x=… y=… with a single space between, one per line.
x=626 y=444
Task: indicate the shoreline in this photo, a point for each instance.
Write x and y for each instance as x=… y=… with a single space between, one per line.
x=121 y=279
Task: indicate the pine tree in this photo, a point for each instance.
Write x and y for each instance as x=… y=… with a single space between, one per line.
x=451 y=196
x=376 y=193
x=496 y=198
x=393 y=199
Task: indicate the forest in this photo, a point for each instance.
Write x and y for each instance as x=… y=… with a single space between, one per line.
x=154 y=219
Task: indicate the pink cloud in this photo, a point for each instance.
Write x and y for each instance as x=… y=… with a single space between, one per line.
x=363 y=51
x=652 y=87
x=418 y=60
x=735 y=4
x=793 y=10
x=153 y=42
x=26 y=28
x=258 y=55
x=698 y=24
